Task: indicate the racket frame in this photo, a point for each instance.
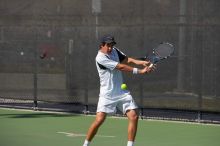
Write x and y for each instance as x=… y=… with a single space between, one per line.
x=157 y=57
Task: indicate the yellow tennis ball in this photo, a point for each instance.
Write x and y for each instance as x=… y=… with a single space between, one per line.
x=123 y=86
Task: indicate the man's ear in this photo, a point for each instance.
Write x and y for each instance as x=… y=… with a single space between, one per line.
x=102 y=45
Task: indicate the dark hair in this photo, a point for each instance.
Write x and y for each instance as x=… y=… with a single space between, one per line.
x=102 y=44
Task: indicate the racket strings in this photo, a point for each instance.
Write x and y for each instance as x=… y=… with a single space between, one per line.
x=164 y=50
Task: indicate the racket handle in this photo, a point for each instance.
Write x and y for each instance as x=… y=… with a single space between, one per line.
x=151 y=65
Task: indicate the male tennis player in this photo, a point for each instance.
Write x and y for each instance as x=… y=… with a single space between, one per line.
x=110 y=63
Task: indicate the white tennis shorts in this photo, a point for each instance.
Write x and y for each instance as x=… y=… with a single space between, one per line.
x=110 y=105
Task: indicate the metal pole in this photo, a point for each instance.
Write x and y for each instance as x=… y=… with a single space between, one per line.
x=35 y=75
x=96 y=9
x=96 y=26
x=201 y=62
x=182 y=46
x=141 y=77
x=69 y=68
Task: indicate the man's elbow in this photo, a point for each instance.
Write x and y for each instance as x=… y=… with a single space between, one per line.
x=120 y=67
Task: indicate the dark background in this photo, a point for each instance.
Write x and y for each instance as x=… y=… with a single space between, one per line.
x=68 y=31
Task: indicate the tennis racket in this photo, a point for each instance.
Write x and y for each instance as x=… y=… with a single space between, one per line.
x=161 y=52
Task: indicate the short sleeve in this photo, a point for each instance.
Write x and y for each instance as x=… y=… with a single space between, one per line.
x=105 y=61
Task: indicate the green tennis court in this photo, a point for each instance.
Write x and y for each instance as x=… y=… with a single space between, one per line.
x=29 y=128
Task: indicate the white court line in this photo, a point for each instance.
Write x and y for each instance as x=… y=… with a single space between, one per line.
x=83 y=135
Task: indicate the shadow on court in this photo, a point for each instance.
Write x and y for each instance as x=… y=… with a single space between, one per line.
x=36 y=115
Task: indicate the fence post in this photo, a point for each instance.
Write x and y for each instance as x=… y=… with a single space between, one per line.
x=182 y=44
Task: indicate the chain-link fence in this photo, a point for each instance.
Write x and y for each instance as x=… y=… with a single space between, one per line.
x=48 y=49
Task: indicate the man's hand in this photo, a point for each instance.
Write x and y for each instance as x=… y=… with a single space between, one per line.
x=144 y=63
x=147 y=69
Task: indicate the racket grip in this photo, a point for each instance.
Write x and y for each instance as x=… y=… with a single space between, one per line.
x=151 y=65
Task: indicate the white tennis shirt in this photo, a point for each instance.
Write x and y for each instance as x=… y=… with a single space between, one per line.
x=110 y=77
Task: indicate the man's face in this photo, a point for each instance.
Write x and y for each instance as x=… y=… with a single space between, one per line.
x=109 y=47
